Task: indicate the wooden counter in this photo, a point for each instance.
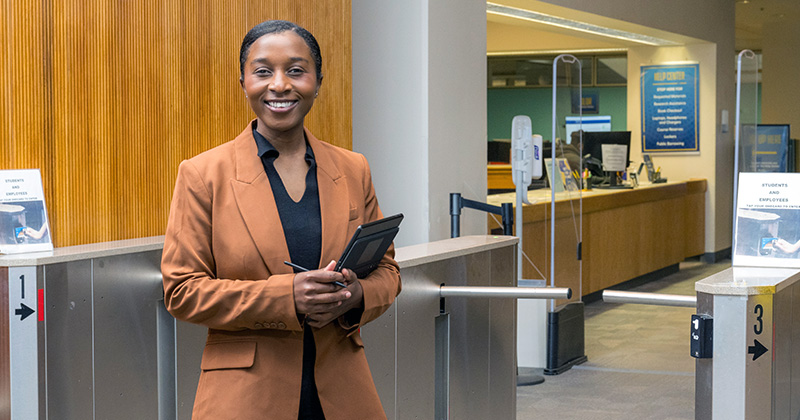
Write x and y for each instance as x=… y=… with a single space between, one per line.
x=499 y=177
x=626 y=233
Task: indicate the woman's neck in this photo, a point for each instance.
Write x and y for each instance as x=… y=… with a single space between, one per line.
x=285 y=142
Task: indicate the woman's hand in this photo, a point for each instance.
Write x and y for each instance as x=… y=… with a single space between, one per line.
x=787 y=247
x=320 y=300
x=33 y=233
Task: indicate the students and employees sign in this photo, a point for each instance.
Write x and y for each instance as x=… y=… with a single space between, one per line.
x=669 y=108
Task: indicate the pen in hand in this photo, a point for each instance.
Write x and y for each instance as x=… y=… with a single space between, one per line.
x=338 y=283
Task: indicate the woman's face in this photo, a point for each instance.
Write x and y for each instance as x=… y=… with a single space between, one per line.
x=280 y=82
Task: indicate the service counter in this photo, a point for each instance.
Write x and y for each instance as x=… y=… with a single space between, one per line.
x=626 y=233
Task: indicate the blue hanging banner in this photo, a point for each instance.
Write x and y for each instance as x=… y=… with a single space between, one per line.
x=670 y=106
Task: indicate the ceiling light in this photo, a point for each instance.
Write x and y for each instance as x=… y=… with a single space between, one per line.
x=532 y=16
x=557 y=52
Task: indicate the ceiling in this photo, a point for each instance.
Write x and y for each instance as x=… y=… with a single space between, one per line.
x=510 y=34
x=752 y=15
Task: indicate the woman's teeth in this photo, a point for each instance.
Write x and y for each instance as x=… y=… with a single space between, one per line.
x=280 y=104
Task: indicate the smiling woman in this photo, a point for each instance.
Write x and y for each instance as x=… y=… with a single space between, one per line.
x=281 y=73
x=281 y=344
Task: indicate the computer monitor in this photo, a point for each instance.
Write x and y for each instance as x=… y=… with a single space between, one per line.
x=593 y=142
x=499 y=151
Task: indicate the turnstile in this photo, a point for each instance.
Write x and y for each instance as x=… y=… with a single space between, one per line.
x=84 y=334
x=746 y=338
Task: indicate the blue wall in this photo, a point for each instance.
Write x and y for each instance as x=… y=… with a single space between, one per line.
x=537 y=103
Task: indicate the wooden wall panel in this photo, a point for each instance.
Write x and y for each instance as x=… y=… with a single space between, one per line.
x=107 y=99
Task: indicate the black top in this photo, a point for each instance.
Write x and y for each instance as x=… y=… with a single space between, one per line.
x=302 y=228
x=301 y=221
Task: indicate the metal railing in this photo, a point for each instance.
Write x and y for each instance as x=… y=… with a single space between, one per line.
x=506 y=292
x=660 y=299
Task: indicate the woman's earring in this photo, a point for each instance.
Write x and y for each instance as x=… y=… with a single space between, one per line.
x=316 y=94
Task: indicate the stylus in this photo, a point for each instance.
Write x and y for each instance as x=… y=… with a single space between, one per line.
x=338 y=283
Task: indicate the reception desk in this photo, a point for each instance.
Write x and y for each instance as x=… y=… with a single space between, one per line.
x=498 y=177
x=626 y=233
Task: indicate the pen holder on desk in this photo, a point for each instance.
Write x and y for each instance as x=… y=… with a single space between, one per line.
x=655 y=177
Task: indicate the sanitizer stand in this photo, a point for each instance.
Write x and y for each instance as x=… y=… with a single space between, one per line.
x=526 y=163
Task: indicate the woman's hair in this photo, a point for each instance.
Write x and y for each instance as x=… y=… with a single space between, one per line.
x=274 y=27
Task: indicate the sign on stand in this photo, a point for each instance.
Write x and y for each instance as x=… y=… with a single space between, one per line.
x=24 y=225
x=767 y=220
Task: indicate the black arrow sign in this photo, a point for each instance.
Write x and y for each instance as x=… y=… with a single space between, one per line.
x=757 y=349
x=24 y=311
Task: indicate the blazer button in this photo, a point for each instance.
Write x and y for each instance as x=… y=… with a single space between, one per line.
x=281 y=325
x=273 y=325
x=259 y=325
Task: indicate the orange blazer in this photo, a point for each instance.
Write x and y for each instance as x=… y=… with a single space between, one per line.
x=223 y=268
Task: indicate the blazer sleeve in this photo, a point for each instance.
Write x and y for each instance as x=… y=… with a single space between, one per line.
x=192 y=292
x=383 y=285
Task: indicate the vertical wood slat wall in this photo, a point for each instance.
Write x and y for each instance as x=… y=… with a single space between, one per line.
x=107 y=97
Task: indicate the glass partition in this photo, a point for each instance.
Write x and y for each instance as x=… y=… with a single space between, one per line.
x=564 y=166
x=747 y=76
x=745 y=131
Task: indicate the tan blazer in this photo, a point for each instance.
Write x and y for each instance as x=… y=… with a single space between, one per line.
x=223 y=268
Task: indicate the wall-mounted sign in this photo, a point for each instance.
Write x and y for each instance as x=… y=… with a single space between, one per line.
x=670 y=106
x=589 y=103
x=772 y=148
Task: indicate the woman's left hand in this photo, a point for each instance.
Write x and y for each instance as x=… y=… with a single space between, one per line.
x=321 y=319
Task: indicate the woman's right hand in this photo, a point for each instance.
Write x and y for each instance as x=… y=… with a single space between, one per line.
x=787 y=247
x=315 y=293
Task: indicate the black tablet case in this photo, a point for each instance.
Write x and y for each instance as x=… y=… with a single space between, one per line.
x=368 y=245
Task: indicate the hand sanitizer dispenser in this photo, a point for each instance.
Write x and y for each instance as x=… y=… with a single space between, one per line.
x=521 y=151
x=526 y=155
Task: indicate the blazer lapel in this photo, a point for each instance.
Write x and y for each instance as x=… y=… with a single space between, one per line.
x=334 y=202
x=256 y=204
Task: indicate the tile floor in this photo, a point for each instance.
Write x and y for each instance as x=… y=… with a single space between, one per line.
x=639 y=365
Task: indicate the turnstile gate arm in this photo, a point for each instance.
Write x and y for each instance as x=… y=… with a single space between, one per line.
x=506 y=292
x=661 y=299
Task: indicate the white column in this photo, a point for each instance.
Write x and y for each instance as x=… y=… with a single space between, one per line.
x=419 y=109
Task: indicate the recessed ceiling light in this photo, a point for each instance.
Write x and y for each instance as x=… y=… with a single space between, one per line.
x=513 y=12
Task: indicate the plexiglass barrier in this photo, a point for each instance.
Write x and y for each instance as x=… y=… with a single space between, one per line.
x=746 y=112
x=565 y=169
x=745 y=149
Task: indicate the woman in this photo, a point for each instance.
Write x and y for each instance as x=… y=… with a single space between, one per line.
x=281 y=345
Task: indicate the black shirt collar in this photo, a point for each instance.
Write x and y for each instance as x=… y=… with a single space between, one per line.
x=267 y=151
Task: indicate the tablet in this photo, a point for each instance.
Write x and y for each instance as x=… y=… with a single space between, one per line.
x=368 y=245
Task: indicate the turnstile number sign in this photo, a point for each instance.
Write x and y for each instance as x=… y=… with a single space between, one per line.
x=757 y=349
x=23 y=311
x=23 y=332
